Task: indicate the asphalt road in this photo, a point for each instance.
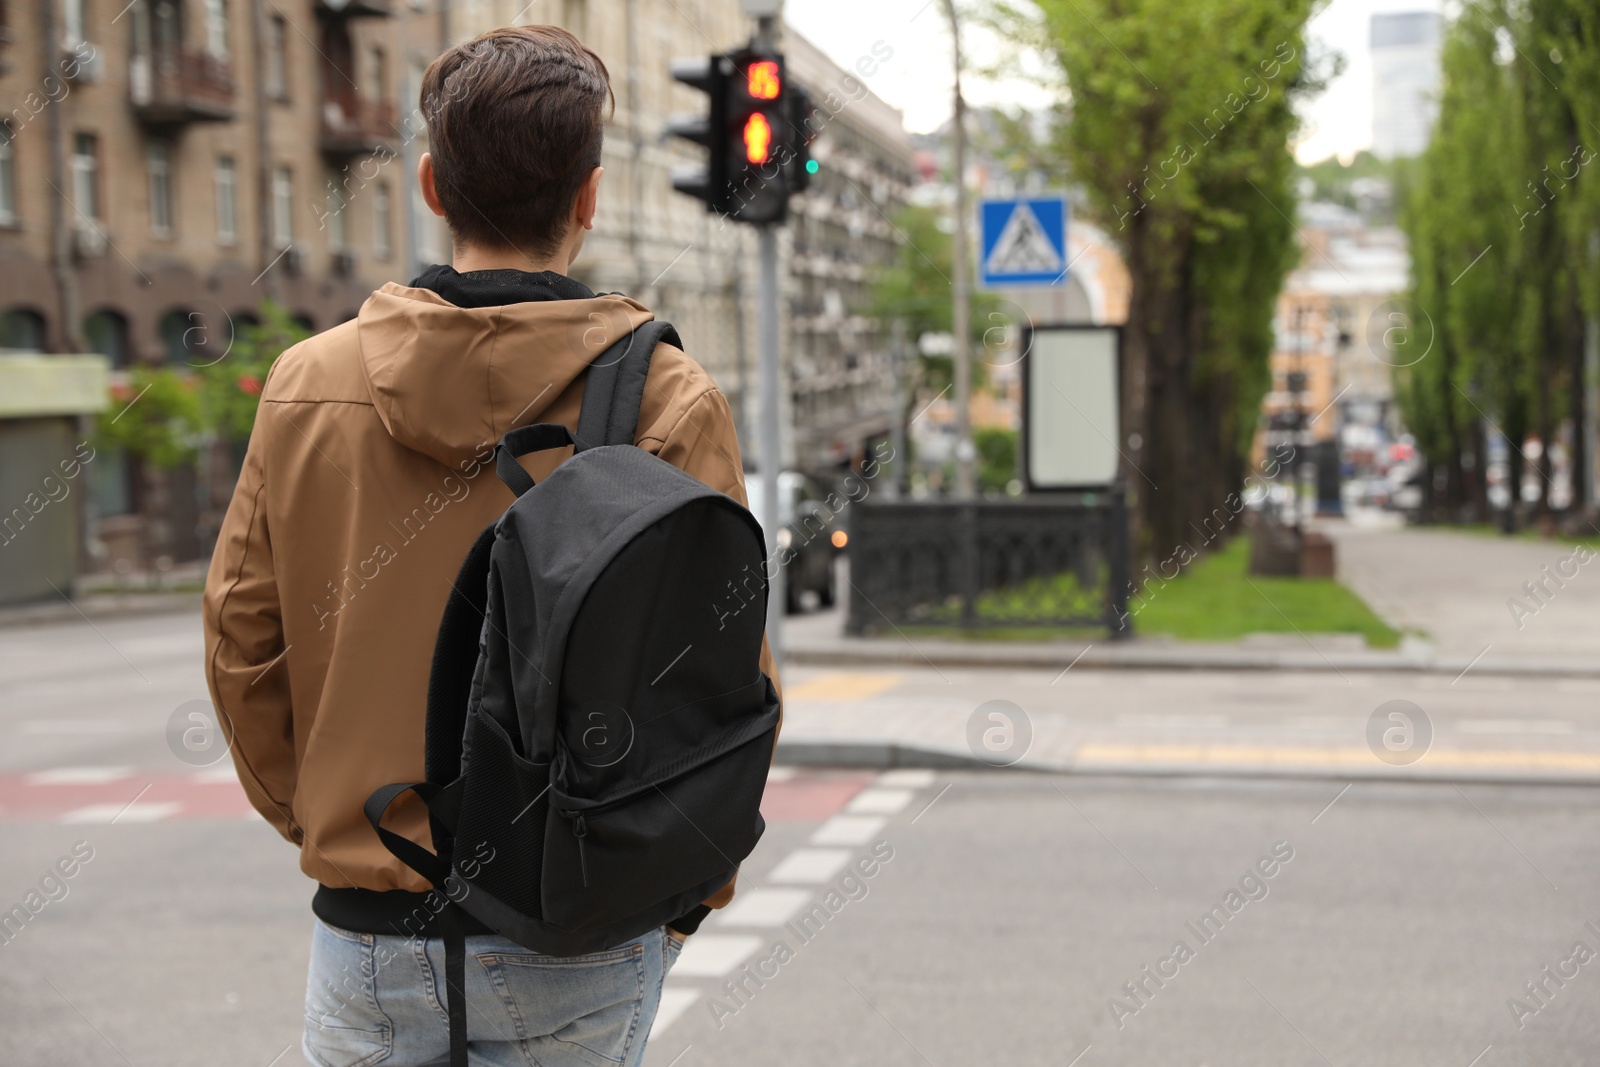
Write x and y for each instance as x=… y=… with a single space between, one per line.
x=1005 y=911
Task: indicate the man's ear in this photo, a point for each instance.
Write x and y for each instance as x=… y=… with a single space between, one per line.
x=588 y=199
x=430 y=195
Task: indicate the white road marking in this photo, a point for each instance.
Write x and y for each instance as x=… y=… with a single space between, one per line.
x=810 y=866
x=79 y=726
x=780 y=774
x=123 y=813
x=1173 y=722
x=1513 y=726
x=674 y=1002
x=906 y=778
x=763 y=907
x=714 y=955
x=79 y=775
x=848 y=830
x=219 y=774
x=879 y=802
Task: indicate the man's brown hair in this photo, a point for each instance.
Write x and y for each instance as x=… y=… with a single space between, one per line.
x=515 y=124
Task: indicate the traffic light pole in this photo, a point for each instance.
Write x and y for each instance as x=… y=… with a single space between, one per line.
x=771 y=457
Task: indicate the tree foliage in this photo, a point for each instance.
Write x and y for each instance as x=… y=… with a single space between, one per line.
x=1177 y=139
x=165 y=415
x=1500 y=213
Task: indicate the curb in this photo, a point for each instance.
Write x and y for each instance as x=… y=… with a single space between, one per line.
x=876 y=652
x=879 y=756
x=889 y=755
x=98 y=606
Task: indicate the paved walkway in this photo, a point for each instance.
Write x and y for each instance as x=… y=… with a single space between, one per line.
x=1451 y=592
x=1460 y=589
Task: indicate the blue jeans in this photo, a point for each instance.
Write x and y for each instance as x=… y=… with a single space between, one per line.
x=381 y=999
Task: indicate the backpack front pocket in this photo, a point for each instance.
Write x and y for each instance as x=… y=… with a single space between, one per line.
x=679 y=828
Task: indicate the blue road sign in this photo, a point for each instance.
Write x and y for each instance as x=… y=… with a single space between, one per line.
x=1024 y=242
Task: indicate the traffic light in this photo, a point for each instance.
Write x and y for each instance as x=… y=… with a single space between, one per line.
x=710 y=76
x=759 y=147
x=799 y=110
x=751 y=133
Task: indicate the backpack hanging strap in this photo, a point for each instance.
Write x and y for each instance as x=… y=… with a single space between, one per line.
x=519 y=442
x=436 y=869
x=614 y=388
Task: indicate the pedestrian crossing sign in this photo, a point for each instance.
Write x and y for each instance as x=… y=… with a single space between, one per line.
x=1024 y=242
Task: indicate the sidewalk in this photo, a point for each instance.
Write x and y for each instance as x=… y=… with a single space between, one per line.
x=1448 y=590
x=1459 y=588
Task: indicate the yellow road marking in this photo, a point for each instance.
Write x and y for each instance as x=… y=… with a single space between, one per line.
x=843 y=686
x=1305 y=755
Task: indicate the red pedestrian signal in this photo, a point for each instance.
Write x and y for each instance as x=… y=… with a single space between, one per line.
x=758 y=138
x=762 y=80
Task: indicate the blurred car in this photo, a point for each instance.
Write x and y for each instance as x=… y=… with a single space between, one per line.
x=809 y=535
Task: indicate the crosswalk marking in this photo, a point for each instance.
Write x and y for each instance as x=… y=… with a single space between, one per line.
x=714 y=955
x=104 y=814
x=763 y=907
x=810 y=866
x=848 y=830
x=906 y=778
x=674 y=1002
x=879 y=801
x=78 y=775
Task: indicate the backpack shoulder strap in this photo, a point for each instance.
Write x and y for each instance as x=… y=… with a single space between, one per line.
x=614 y=388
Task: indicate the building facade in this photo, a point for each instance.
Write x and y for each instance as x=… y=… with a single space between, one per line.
x=168 y=166
x=1335 y=356
x=1405 y=81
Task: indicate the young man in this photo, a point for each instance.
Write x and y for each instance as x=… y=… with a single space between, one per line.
x=366 y=480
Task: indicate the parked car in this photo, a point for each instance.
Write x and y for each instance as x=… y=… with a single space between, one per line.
x=809 y=535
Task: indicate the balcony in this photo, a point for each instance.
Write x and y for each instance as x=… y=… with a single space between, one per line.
x=345 y=9
x=356 y=126
x=174 y=86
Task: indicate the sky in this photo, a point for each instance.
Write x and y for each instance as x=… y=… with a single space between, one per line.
x=916 y=79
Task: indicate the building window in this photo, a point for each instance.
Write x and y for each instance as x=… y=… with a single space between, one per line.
x=182 y=334
x=8 y=176
x=158 y=160
x=74 y=16
x=282 y=207
x=227 y=201
x=377 y=73
x=278 y=58
x=382 y=239
x=575 y=17
x=22 y=329
x=86 y=175
x=106 y=332
x=337 y=220
x=217 y=28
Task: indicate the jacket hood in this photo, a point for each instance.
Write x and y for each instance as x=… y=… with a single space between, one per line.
x=448 y=380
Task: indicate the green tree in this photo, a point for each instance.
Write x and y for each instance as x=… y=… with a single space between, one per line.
x=1178 y=138
x=1500 y=215
x=230 y=387
x=915 y=287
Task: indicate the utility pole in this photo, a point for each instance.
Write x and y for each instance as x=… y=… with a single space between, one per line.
x=1591 y=399
x=960 y=285
x=769 y=370
x=758 y=158
x=899 y=485
x=69 y=336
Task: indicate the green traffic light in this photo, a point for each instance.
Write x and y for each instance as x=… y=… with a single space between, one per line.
x=812 y=166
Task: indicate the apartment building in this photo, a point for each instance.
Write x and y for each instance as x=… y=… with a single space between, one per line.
x=168 y=165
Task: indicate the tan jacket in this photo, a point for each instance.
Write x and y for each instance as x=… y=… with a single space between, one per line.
x=367 y=477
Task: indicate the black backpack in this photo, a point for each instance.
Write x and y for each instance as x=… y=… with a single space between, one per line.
x=599 y=729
